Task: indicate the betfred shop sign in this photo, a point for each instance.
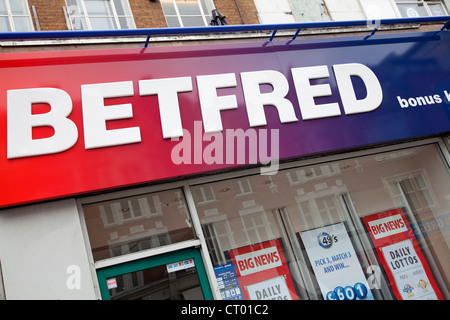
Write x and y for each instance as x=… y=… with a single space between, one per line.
x=76 y=122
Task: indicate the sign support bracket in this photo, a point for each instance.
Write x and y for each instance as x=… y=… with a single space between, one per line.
x=273 y=35
x=296 y=34
x=147 y=41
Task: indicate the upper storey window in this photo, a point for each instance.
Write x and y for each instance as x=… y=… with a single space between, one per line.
x=15 y=16
x=420 y=8
x=100 y=14
x=187 y=13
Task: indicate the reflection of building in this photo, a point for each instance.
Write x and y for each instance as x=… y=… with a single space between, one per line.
x=137 y=224
x=313 y=196
x=117 y=241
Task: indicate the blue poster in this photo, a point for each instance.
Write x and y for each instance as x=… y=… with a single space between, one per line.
x=335 y=263
x=228 y=282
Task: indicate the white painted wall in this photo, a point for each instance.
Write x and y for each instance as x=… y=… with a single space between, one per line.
x=340 y=10
x=274 y=11
x=290 y=11
x=379 y=9
x=42 y=253
x=361 y=9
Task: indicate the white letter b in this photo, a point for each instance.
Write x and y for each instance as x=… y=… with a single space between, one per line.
x=21 y=122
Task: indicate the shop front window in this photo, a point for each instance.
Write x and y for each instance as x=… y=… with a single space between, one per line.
x=2 y=288
x=133 y=224
x=372 y=227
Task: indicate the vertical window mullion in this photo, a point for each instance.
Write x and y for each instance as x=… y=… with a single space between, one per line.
x=115 y=15
x=175 y=5
x=10 y=17
x=427 y=9
x=86 y=16
x=202 y=12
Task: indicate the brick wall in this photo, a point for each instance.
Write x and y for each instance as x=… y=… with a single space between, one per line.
x=246 y=8
x=146 y=14
x=50 y=14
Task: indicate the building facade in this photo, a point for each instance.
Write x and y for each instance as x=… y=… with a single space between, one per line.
x=161 y=170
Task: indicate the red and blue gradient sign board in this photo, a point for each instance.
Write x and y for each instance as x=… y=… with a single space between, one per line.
x=75 y=122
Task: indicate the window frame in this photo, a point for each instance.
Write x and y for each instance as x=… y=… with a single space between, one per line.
x=11 y=16
x=425 y=4
x=204 y=15
x=399 y=193
x=84 y=14
x=442 y=144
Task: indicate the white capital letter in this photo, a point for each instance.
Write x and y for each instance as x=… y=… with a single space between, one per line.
x=210 y=103
x=343 y=73
x=21 y=122
x=255 y=100
x=307 y=92
x=95 y=115
x=169 y=109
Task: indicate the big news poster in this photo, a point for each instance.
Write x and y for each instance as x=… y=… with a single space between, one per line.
x=262 y=272
x=398 y=251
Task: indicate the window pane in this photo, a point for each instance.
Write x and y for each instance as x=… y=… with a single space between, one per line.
x=74 y=7
x=126 y=23
x=18 y=7
x=121 y=8
x=412 y=10
x=188 y=7
x=168 y=7
x=192 y=21
x=207 y=8
x=102 y=23
x=22 y=24
x=4 y=24
x=437 y=9
x=172 y=22
x=3 y=7
x=98 y=7
x=79 y=23
x=121 y=226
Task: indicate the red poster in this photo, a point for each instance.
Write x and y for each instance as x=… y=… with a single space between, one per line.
x=263 y=272
x=399 y=252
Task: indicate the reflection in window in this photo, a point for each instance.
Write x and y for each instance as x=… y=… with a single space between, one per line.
x=116 y=213
x=414 y=189
x=344 y=191
x=122 y=226
x=242 y=187
x=100 y=14
x=15 y=16
x=299 y=176
x=157 y=283
x=204 y=194
x=187 y=13
x=256 y=225
x=218 y=236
